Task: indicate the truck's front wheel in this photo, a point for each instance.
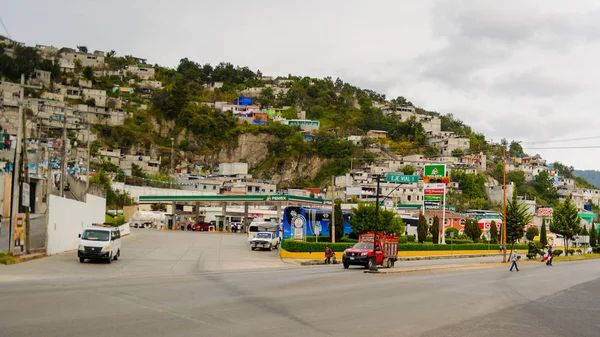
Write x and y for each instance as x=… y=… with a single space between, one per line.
x=346 y=265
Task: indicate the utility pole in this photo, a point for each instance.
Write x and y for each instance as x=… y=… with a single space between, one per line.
x=173 y=154
x=25 y=174
x=87 y=169
x=374 y=258
x=16 y=177
x=504 y=218
x=332 y=234
x=63 y=173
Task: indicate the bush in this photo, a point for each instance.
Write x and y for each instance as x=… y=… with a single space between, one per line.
x=571 y=251
x=459 y=241
x=557 y=252
x=292 y=245
x=321 y=238
x=452 y=230
x=429 y=238
x=596 y=250
x=472 y=246
x=6 y=258
x=347 y=239
x=410 y=238
x=579 y=251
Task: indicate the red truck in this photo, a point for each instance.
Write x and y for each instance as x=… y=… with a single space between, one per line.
x=386 y=250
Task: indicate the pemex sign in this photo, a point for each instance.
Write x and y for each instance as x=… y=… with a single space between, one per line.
x=434 y=170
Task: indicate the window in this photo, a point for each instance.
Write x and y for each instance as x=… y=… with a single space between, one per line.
x=462 y=222
x=431 y=221
x=408 y=198
x=446 y=221
x=203 y=186
x=214 y=187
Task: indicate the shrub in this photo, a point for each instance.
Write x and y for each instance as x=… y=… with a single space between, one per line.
x=321 y=238
x=472 y=246
x=459 y=241
x=292 y=245
x=429 y=238
x=571 y=251
x=347 y=239
x=451 y=230
x=557 y=252
x=6 y=258
x=410 y=238
x=579 y=251
x=596 y=250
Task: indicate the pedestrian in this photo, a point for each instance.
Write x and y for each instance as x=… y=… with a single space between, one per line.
x=514 y=258
x=550 y=256
x=328 y=254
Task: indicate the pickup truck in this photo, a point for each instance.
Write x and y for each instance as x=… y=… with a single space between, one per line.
x=265 y=240
x=386 y=250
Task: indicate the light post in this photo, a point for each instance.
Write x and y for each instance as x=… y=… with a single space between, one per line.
x=374 y=257
x=172 y=153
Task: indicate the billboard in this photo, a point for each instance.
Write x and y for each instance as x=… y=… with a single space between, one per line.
x=546 y=211
x=353 y=190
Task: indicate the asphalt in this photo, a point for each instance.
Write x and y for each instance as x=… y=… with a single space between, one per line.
x=264 y=296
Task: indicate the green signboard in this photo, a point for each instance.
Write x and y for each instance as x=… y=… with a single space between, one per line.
x=433 y=197
x=401 y=178
x=435 y=170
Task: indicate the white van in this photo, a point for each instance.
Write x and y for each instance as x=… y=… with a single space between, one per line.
x=263 y=226
x=99 y=243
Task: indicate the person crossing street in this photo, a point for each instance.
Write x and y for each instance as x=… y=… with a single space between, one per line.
x=514 y=258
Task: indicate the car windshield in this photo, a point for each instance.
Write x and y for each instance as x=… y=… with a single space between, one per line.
x=95 y=235
x=362 y=245
x=263 y=235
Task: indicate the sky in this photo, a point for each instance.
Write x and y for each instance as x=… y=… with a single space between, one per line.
x=520 y=70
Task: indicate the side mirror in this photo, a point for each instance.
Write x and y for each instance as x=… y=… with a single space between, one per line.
x=79 y=235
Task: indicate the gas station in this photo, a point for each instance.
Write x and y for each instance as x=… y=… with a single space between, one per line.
x=241 y=206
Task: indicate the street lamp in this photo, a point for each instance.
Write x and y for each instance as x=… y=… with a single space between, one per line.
x=374 y=257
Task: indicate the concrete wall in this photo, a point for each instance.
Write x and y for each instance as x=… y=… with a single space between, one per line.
x=66 y=219
x=136 y=191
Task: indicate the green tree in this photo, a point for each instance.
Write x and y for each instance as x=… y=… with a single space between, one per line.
x=266 y=97
x=493 y=232
x=363 y=220
x=422 y=229
x=408 y=169
x=78 y=66
x=544 y=186
x=516 y=219
x=339 y=221
x=543 y=238
x=593 y=236
x=451 y=230
x=531 y=233
x=515 y=149
x=458 y=153
x=473 y=230
x=435 y=229
x=565 y=221
x=583 y=230
x=88 y=73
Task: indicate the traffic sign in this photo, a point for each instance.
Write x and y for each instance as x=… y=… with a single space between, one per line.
x=438 y=191
x=435 y=170
x=433 y=197
x=401 y=178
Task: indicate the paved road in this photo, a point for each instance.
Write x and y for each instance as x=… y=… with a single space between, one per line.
x=197 y=289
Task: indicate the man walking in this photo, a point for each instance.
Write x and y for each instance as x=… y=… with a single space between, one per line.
x=514 y=258
x=550 y=256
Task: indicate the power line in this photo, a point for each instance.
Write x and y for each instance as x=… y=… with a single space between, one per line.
x=6 y=30
x=560 y=140
x=563 y=147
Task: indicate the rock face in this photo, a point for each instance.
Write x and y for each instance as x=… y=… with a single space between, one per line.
x=294 y=170
x=251 y=149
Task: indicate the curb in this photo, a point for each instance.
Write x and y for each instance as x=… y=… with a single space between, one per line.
x=29 y=258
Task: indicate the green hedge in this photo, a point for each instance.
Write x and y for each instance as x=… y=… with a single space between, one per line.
x=292 y=245
x=473 y=246
x=460 y=241
x=321 y=238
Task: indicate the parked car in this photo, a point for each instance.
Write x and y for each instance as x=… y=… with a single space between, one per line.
x=201 y=227
x=264 y=240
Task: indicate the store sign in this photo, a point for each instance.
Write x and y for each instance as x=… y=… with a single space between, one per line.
x=277 y=198
x=545 y=211
x=435 y=170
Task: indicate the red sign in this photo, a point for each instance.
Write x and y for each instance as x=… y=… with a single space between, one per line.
x=434 y=191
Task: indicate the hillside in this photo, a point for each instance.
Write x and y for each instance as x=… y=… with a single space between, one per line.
x=592 y=176
x=192 y=109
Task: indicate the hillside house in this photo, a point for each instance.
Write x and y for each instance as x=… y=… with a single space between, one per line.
x=304 y=124
x=377 y=134
x=94 y=60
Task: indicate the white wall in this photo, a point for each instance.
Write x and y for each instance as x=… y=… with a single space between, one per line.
x=136 y=191
x=66 y=219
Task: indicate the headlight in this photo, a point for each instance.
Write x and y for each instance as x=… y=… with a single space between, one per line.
x=364 y=254
x=106 y=250
x=81 y=247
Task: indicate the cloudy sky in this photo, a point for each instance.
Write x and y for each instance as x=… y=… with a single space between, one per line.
x=521 y=70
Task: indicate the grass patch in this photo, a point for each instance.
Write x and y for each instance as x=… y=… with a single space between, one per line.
x=7 y=258
x=577 y=257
